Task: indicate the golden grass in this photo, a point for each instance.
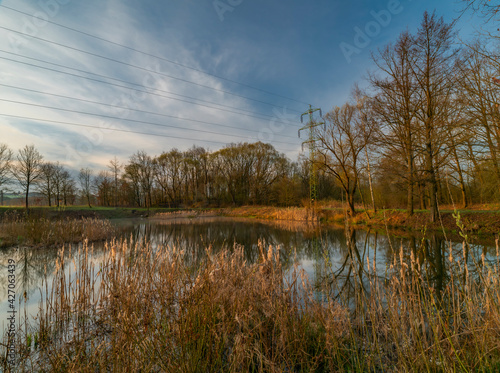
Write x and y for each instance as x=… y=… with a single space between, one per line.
x=259 y=212
x=185 y=214
x=273 y=213
x=148 y=310
x=20 y=230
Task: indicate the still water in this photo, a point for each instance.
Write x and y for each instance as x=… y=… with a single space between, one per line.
x=322 y=252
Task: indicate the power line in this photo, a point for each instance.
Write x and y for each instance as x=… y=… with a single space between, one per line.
x=104 y=128
x=135 y=110
x=126 y=119
x=130 y=88
x=121 y=81
x=139 y=67
x=161 y=58
x=114 y=129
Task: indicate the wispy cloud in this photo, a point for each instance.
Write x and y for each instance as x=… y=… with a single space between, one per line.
x=289 y=48
x=116 y=21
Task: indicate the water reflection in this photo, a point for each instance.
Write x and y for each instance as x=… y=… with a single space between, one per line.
x=338 y=257
x=195 y=236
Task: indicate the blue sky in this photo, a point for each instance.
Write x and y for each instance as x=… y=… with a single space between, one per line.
x=292 y=49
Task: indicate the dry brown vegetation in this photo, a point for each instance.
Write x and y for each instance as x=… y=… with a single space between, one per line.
x=291 y=214
x=476 y=221
x=35 y=231
x=259 y=212
x=148 y=310
x=272 y=213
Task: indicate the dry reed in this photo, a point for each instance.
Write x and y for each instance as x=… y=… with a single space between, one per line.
x=273 y=213
x=143 y=309
x=17 y=229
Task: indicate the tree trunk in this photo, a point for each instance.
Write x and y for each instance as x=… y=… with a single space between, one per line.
x=27 y=193
x=431 y=173
x=350 y=201
x=465 y=202
x=493 y=152
x=409 y=207
x=421 y=192
x=370 y=180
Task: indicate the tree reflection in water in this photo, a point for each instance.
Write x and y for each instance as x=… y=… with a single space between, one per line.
x=341 y=261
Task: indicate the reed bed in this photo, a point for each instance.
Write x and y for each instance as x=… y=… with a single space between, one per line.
x=274 y=213
x=185 y=214
x=39 y=231
x=260 y=212
x=144 y=309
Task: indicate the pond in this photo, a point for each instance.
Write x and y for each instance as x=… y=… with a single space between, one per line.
x=324 y=253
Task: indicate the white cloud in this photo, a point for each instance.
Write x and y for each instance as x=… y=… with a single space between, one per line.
x=116 y=21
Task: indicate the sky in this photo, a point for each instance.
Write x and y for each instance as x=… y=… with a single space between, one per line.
x=89 y=81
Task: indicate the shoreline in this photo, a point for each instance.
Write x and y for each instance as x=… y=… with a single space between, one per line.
x=469 y=222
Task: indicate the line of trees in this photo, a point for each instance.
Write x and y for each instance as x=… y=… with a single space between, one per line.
x=33 y=174
x=427 y=128
x=244 y=173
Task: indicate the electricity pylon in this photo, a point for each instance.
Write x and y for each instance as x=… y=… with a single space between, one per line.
x=311 y=125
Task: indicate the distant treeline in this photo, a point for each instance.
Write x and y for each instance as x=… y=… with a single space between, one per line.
x=237 y=174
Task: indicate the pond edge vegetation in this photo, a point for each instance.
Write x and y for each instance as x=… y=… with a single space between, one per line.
x=36 y=231
x=150 y=310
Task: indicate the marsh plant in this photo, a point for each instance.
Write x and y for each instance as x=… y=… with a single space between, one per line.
x=144 y=309
x=40 y=231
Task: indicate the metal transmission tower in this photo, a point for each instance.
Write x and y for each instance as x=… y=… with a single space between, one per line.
x=311 y=125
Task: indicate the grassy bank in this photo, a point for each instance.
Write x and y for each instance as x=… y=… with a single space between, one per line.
x=272 y=213
x=78 y=212
x=475 y=222
x=148 y=310
x=296 y=214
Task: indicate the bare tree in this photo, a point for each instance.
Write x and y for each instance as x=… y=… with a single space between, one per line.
x=5 y=163
x=269 y=166
x=433 y=72
x=484 y=7
x=115 y=168
x=67 y=188
x=85 y=179
x=480 y=96
x=58 y=182
x=168 y=174
x=27 y=169
x=5 y=167
x=46 y=182
x=459 y=131
x=144 y=166
x=340 y=145
x=234 y=165
x=131 y=178
x=369 y=126
x=103 y=183
x=195 y=165
x=395 y=103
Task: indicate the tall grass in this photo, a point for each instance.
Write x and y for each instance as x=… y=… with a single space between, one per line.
x=144 y=309
x=40 y=231
x=273 y=213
